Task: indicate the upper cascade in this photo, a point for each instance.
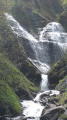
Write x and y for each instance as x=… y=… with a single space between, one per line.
x=53 y=32
x=54 y=27
x=17 y=29
x=50 y=46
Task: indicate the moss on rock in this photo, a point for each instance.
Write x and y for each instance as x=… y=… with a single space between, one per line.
x=58 y=71
x=18 y=82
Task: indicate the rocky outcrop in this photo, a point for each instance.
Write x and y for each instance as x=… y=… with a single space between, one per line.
x=53 y=113
x=58 y=71
x=63 y=19
x=34 y=14
x=52 y=108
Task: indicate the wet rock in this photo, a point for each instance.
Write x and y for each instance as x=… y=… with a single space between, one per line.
x=53 y=101
x=52 y=113
x=47 y=106
x=65 y=101
x=43 y=102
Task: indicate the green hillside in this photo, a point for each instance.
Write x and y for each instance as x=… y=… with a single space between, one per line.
x=13 y=64
x=58 y=71
x=9 y=101
x=34 y=14
x=11 y=47
x=58 y=79
x=18 y=77
x=63 y=15
x=10 y=75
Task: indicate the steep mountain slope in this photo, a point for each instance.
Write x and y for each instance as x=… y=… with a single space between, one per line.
x=58 y=71
x=34 y=14
x=58 y=79
x=9 y=101
x=11 y=47
x=11 y=76
x=63 y=16
x=11 y=79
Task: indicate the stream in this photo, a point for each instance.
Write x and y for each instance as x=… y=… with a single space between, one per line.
x=50 y=46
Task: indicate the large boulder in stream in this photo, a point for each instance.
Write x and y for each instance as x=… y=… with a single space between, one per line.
x=52 y=113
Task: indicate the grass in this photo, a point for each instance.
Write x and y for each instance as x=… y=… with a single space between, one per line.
x=14 y=77
x=64 y=2
x=13 y=84
x=9 y=101
x=63 y=116
x=58 y=71
x=64 y=96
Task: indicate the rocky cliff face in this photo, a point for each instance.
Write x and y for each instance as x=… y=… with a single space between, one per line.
x=63 y=15
x=35 y=14
x=58 y=79
x=15 y=68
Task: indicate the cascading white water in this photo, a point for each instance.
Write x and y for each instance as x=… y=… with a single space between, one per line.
x=44 y=83
x=49 y=48
x=42 y=67
x=32 y=109
x=17 y=29
x=48 y=92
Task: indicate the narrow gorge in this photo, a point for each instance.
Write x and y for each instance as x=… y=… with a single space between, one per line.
x=43 y=51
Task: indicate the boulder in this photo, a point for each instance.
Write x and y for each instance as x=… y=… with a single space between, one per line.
x=52 y=113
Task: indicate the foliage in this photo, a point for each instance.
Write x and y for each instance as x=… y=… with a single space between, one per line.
x=34 y=14
x=15 y=79
x=58 y=71
x=9 y=102
x=63 y=116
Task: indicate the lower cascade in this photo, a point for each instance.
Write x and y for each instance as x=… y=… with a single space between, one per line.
x=50 y=46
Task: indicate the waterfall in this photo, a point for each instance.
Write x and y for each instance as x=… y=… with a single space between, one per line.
x=32 y=109
x=50 y=46
x=17 y=29
x=44 y=83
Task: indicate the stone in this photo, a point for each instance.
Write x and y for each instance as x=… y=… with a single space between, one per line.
x=52 y=113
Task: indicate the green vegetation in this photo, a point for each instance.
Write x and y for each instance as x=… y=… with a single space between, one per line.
x=15 y=78
x=58 y=71
x=9 y=102
x=35 y=14
x=12 y=59
x=64 y=96
x=63 y=15
x=13 y=81
x=64 y=117
x=64 y=2
x=15 y=68
x=11 y=47
x=63 y=18
x=58 y=79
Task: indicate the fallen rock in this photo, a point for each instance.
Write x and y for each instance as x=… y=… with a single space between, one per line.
x=52 y=113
